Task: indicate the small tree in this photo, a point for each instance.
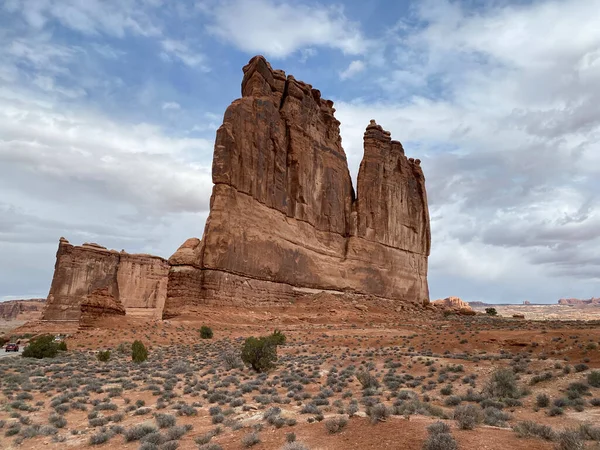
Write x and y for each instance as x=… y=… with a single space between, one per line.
x=206 y=332
x=41 y=347
x=138 y=352
x=259 y=353
x=103 y=356
x=491 y=311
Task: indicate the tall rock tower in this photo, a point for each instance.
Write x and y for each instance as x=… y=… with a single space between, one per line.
x=284 y=218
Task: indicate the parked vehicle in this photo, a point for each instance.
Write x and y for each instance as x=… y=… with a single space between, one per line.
x=12 y=347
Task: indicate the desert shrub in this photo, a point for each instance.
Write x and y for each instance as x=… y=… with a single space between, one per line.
x=378 y=412
x=366 y=379
x=62 y=346
x=290 y=437
x=210 y=447
x=502 y=384
x=250 y=440
x=164 y=420
x=137 y=432
x=103 y=356
x=101 y=437
x=529 y=429
x=259 y=353
x=491 y=311
x=595 y=402
x=41 y=347
x=593 y=378
x=438 y=428
x=542 y=400
x=335 y=424
x=569 y=440
x=138 y=352
x=581 y=367
x=206 y=332
x=231 y=360
x=588 y=431
x=495 y=417
x=446 y=390
x=440 y=441
x=57 y=420
x=467 y=416
x=555 y=411
x=294 y=446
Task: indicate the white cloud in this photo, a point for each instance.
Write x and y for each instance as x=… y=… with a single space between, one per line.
x=91 y=17
x=355 y=67
x=181 y=51
x=501 y=113
x=171 y=105
x=279 y=29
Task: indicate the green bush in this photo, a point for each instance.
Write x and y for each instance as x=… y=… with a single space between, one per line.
x=62 y=346
x=206 y=332
x=259 y=353
x=138 y=352
x=277 y=338
x=491 y=311
x=502 y=384
x=41 y=347
x=103 y=356
x=593 y=378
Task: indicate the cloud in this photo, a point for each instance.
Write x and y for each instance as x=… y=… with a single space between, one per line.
x=179 y=50
x=509 y=139
x=278 y=29
x=354 y=68
x=90 y=17
x=171 y=105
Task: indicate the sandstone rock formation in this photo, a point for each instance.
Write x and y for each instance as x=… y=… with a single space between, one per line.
x=578 y=302
x=21 y=309
x=284 y=218
x=137 y=282
x=452 y=303
x=99 y=305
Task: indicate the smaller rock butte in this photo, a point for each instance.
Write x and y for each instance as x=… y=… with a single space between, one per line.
x=137 y=282
x=452 y=302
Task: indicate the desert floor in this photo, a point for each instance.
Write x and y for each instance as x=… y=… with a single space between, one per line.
x=194 y=393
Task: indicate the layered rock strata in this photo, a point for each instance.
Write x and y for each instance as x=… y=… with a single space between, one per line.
x=99 y=305
x=284 y=218
x=138 y=282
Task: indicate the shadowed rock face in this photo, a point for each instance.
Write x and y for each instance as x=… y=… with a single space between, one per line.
x=137 y=282
x=284 y=218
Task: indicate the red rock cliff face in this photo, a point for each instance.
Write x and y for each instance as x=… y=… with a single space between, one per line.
x=284 y=218
x=137 y=282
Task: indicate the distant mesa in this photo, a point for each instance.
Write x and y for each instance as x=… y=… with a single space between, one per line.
x=21 y=309
x=577 y=302
x=284 y=219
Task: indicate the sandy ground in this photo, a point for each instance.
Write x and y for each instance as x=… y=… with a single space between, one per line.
x=324 y=340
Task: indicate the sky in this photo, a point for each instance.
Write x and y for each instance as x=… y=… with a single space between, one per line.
x=108 y=113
